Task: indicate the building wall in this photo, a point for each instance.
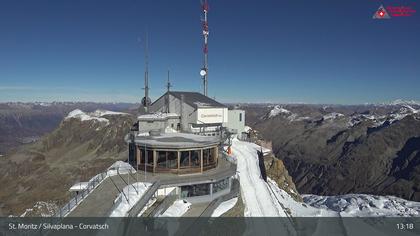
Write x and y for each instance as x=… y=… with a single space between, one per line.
x=190 y=115
x=235 y=124
x=211 y=115
x=146 y=126
x=186 y=112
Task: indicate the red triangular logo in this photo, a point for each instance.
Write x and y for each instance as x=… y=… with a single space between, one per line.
x=381 y=13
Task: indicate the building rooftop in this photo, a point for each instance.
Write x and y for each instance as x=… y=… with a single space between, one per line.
x=195 y=99
x=177 y=140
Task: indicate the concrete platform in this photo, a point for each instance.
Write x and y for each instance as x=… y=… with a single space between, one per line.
x=101 y=200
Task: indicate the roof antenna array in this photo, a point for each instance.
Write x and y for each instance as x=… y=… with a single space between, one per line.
x=168 y=84
x=204 y=70
x=146 y=99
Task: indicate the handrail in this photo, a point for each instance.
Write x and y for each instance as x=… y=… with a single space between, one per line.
x=73 y=202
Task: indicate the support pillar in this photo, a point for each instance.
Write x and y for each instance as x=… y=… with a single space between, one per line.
x=216 y=154
x=211 y=191
x=138 y=156
x=201 y=159
x=179 y=159
x=154 y=161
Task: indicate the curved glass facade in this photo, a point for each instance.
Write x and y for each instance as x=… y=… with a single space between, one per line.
x=176 y=161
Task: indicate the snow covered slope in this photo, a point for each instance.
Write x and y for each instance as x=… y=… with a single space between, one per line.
x=364 y=205
x=267 y=199
x=255 y=191
x=95 y=116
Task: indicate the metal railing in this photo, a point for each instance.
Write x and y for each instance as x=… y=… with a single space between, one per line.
x=92 y=184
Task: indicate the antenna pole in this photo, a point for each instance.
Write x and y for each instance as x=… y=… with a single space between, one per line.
x=146 y=100
x=168 y=83
x=168 y=88
x=205 y=7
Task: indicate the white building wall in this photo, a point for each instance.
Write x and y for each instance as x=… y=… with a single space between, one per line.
x=211 y=115
x=236 y=121
x=189 y=115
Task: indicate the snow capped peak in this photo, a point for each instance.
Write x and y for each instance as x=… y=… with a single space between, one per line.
x=75 y=113
x=96 y=115
x=333 y=115
x=404 y=102
x=410 y=109
x=100 y=113
x=278 y=110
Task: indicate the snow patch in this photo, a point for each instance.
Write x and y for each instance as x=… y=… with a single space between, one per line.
x=297 y=209
x=100 y=113
x=120 y=167
x=177 y=209
x=79 y=186
x=158 y=116
x=132 y=194
x=247 y=129
x=364 y=205
x=224 y=207
x=41 y=208
x=95 y=116
x=332 y=116
x=278 y=110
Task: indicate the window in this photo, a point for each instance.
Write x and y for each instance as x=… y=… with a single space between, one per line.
x=161 y=159
x=173 y=160
x=195 y=158
x=240 y=117
x=220 y=185
x=195 y=190
x=148 y=156
x=185 y=159
x=168 y=160
x=208 y=157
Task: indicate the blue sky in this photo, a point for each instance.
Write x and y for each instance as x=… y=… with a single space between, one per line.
x=259 y=51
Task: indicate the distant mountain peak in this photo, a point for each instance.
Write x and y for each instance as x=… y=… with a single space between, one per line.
x=404 y=102
x=95 y=116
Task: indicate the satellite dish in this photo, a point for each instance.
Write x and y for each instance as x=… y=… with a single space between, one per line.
x=146 y=101
x=203 y=72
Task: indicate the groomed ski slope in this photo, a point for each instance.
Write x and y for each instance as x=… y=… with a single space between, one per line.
x=257 y=196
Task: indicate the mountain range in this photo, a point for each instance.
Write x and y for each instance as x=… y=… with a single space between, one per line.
x=333 y=150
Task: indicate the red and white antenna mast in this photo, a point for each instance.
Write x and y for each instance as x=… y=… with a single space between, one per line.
x=204 y=70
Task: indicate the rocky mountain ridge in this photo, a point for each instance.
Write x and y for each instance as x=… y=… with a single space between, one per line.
x=333 y=150
x=75 y=151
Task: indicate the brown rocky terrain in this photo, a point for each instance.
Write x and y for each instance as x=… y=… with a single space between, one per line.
x=76 y=151
x=24 y=123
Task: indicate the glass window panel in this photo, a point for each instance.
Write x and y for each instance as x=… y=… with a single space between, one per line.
x=195 y=158
x=172 y=160
x=161 y=159
x=195 y=190
x=185 y=158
